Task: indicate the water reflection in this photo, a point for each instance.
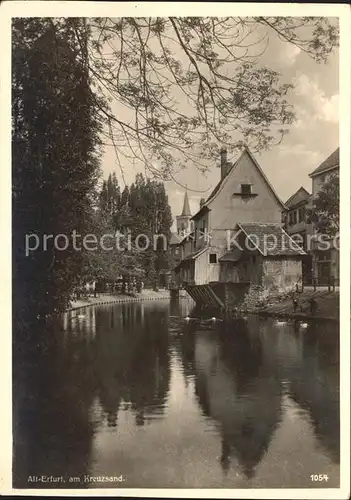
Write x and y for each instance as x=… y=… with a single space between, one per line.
x=53 y=394
x=234 y=384
x=132 y=361
x=315 y=386
x=133 y=389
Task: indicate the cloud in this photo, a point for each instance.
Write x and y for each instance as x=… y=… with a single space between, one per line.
x=300 y=150
x=289 y=54
x=331 y=109
x=315 y=100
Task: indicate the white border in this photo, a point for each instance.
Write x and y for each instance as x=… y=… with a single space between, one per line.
x=118 y=9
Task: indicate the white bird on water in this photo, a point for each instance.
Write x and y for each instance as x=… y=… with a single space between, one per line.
x=215 y=320
x=188 y=318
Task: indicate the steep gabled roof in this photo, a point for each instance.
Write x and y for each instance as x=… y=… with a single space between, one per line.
x=192 y=256
x=300 y=195
x=331 y=162
x=186 y=207
x=271 y=239
x=269 y=185
x=196 y=254
x=174 y=239
x=221 y=183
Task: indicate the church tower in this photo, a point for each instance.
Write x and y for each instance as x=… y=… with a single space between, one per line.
x=184 y=224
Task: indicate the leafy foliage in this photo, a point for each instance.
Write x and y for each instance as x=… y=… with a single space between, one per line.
x=164 y=91
x=180 y=88
x=326 y=210
x=55 y=161
x=141 y=209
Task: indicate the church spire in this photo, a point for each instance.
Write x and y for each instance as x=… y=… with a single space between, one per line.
x=186 y=206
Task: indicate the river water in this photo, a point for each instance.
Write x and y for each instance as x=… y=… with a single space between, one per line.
x=134 y=396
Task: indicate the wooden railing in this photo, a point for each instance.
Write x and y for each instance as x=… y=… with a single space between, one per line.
x=330 y=282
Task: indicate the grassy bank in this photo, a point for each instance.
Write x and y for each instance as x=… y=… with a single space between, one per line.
x=327 y=306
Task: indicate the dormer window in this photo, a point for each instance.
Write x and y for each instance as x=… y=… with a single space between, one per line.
x=246 y=189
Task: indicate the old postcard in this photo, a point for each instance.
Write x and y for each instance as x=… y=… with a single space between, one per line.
x=176 y=206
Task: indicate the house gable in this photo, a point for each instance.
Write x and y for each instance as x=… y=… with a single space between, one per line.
x=227 y=206
x=301 y=195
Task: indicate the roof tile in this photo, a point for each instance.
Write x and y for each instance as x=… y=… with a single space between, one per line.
x=332 y=161
x=271 y=239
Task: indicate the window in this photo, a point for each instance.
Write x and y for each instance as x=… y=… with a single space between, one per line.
x=177 y=251
x=323 y=255
x=245 y=189
x=292 y=218
x=203 y=232
x=213 y=258
x=302 y=214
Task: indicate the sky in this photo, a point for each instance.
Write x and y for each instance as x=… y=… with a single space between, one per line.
x=313 y=136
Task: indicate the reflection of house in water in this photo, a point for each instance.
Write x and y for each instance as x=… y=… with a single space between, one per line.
x=236 y=388
x=185 y=345
x=307 y=361
x=315 y=387
x=133 y=362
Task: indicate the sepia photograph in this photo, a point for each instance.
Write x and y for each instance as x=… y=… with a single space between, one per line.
x=176 y=186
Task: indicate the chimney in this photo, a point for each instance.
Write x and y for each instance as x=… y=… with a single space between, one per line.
x=224 y=163
x=202 y=202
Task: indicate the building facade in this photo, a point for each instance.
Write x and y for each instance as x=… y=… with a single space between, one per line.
x=325 y=261
x=180 y=242
x=297 y=223
x=242 y=203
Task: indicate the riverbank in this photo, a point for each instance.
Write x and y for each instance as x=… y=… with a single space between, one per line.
x=119 y=299
x=327 y=306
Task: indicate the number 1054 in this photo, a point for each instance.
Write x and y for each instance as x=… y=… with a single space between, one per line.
x=319 y=477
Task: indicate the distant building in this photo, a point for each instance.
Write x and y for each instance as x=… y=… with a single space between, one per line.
x=297 y=224
x=323 y=173
x=184 y=222
x=325 y=262
x=244 y=201
x=181 y=239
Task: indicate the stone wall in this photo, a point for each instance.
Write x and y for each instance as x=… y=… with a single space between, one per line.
x=265 y=277
x=234 y=295
x=280 y=274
